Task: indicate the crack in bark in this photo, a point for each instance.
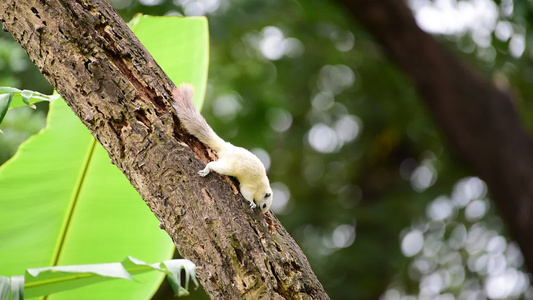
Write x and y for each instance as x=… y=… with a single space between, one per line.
x=123 y=61
x=279 y=287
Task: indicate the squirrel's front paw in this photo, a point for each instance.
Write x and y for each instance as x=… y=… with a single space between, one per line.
x=252 y=205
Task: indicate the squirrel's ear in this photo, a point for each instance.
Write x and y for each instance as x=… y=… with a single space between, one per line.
x=268 y=195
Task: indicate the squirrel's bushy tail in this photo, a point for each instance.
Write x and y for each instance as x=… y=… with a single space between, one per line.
x=191 y=119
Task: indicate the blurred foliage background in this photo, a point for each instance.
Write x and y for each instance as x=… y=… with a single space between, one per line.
x=362 y=176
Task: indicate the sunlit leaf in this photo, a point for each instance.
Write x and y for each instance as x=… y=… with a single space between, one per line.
x=59 y=204
x=180 y=46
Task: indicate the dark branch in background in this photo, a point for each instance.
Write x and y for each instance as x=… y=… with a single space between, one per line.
x=480 y=121
x=88 y=54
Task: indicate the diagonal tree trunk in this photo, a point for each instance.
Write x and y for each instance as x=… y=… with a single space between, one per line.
x=480 y=121
x=114 y=86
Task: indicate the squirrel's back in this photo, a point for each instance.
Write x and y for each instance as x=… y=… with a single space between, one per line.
x=192 y=120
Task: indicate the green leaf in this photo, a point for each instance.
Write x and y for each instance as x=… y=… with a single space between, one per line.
x=5 y=101
x=63 y=203
x=174 y=267
x=9 y=90
x=45 y=281
x=49 y=280
x=180 y=46
x=24 y=97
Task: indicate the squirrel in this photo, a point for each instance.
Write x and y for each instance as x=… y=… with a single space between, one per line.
x=232 y=160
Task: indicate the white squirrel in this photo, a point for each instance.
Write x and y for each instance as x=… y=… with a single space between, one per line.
x=233 y=161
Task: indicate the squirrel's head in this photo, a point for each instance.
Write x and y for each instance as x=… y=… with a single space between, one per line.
x=266 y=200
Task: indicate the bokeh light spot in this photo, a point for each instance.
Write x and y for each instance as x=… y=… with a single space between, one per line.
x=335 y=79
x=322 y=138
x=226 y=107
x=263 y=157
x=279 y=119
x=343 y=236
x=281 y=198
x=412 y=243
x=347 y=128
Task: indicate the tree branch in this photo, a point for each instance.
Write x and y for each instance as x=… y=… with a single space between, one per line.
x=480 y=121
x=119 y=92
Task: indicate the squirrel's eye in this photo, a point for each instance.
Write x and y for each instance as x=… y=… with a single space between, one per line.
x=264 y=205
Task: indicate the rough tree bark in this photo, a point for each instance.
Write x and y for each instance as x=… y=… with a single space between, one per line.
x=480 y=121
x=114 y=86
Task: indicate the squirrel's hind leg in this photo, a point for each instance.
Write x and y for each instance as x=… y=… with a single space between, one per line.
x=205 y=171
x=220 y=166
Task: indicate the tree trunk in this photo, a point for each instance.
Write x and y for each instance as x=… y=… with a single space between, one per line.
x=114 y=86
x=480 y=121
